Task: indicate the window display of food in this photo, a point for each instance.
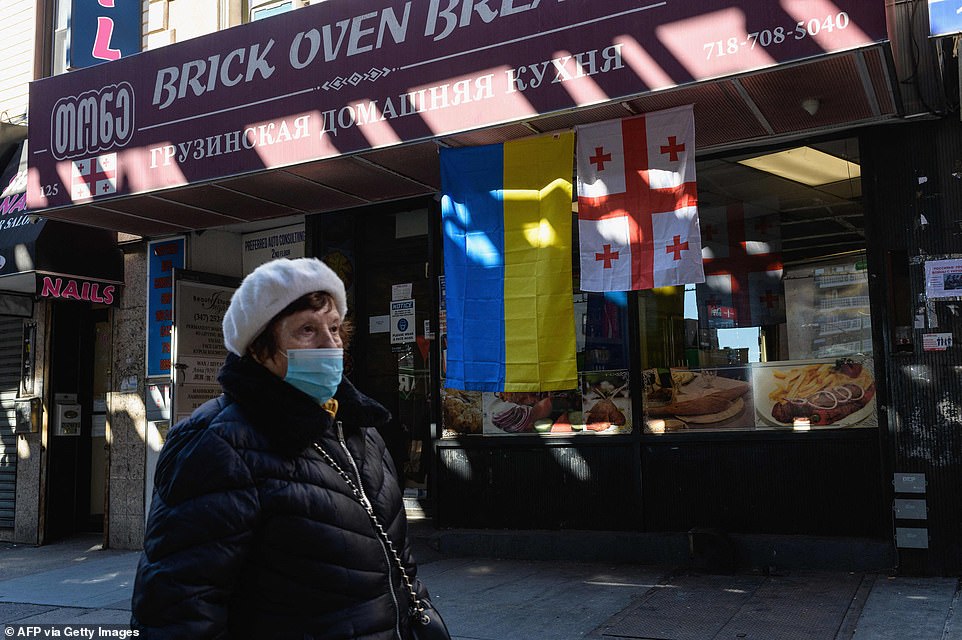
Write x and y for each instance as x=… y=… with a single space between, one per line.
x=460 y=412
x=601 y=406
x=816 y=394
x=606 y=401
x=708 y=398
x=520 y=412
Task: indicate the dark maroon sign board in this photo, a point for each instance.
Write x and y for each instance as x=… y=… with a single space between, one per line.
x=346 y=76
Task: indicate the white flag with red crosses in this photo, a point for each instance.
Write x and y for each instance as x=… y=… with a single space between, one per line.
x=638 y=202
x=92 y=177
x=742 y=254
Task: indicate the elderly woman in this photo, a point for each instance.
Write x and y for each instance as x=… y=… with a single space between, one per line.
x=259 y=525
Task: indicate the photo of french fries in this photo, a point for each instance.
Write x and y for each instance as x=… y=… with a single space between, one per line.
x=802 y=382
x=813 y=394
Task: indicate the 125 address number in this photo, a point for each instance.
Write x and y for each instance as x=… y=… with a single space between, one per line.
x=777 y=35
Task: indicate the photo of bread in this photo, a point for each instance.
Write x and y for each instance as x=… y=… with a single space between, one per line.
x=460 y=412
x=696 y=398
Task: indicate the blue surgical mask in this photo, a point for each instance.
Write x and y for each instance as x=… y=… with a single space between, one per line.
x=316 y=372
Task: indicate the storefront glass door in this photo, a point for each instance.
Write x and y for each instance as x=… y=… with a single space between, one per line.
x=383 y=256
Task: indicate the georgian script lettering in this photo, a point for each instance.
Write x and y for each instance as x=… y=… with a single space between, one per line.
x=93 y=121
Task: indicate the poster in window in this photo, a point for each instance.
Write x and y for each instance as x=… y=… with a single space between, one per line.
x=461 y=413
x=943 y=279
x=606 y=401
x=199 y=306
x=534 y=412
x=814 y=394
x=707 y=398
x=600 y=405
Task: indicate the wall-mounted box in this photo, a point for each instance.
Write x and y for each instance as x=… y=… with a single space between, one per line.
x=911 y=537
x=909 y=482
x=67 y=420
x=28 y=415
x=910 y=509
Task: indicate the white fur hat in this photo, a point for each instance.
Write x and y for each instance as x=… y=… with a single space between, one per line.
x=268 y=289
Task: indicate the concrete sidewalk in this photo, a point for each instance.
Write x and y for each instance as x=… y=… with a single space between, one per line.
x=77 y=582
x=71 y=582
x=485 y=599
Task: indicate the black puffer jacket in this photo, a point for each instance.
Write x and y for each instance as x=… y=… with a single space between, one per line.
x=252 y=535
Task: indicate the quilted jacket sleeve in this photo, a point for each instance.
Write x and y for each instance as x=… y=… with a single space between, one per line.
x=202 y=520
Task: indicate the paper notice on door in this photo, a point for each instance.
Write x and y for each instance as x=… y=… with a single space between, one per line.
x=379 y=324
x=401 y=291
x=943 y=278
x=402 y=321
x=936 y=341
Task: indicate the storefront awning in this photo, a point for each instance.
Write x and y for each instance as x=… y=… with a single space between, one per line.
x=32 y=247
x=252 y=123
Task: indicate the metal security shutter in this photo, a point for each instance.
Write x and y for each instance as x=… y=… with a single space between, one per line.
x=11 y=339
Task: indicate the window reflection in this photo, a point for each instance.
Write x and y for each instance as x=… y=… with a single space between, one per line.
x=779 y=334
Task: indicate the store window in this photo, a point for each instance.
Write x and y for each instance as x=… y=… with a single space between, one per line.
x=779 y=335
x=61 y=24
x=600 y=405
x=261 y=10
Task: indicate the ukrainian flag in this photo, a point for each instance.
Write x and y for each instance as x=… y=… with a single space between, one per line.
x=506 y=214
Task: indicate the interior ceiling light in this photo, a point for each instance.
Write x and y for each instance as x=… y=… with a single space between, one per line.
x=806 y=165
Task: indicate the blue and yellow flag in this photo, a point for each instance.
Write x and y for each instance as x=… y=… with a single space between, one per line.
x=506 y=215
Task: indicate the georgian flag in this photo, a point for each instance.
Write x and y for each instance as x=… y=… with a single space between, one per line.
x=742 y=254
x=92 y=177
x=638 y=203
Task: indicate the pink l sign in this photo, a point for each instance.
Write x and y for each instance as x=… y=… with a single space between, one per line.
x=105 y=29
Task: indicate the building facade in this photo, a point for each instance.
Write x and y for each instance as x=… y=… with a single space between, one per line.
x=315 y=132
x=58 y=285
